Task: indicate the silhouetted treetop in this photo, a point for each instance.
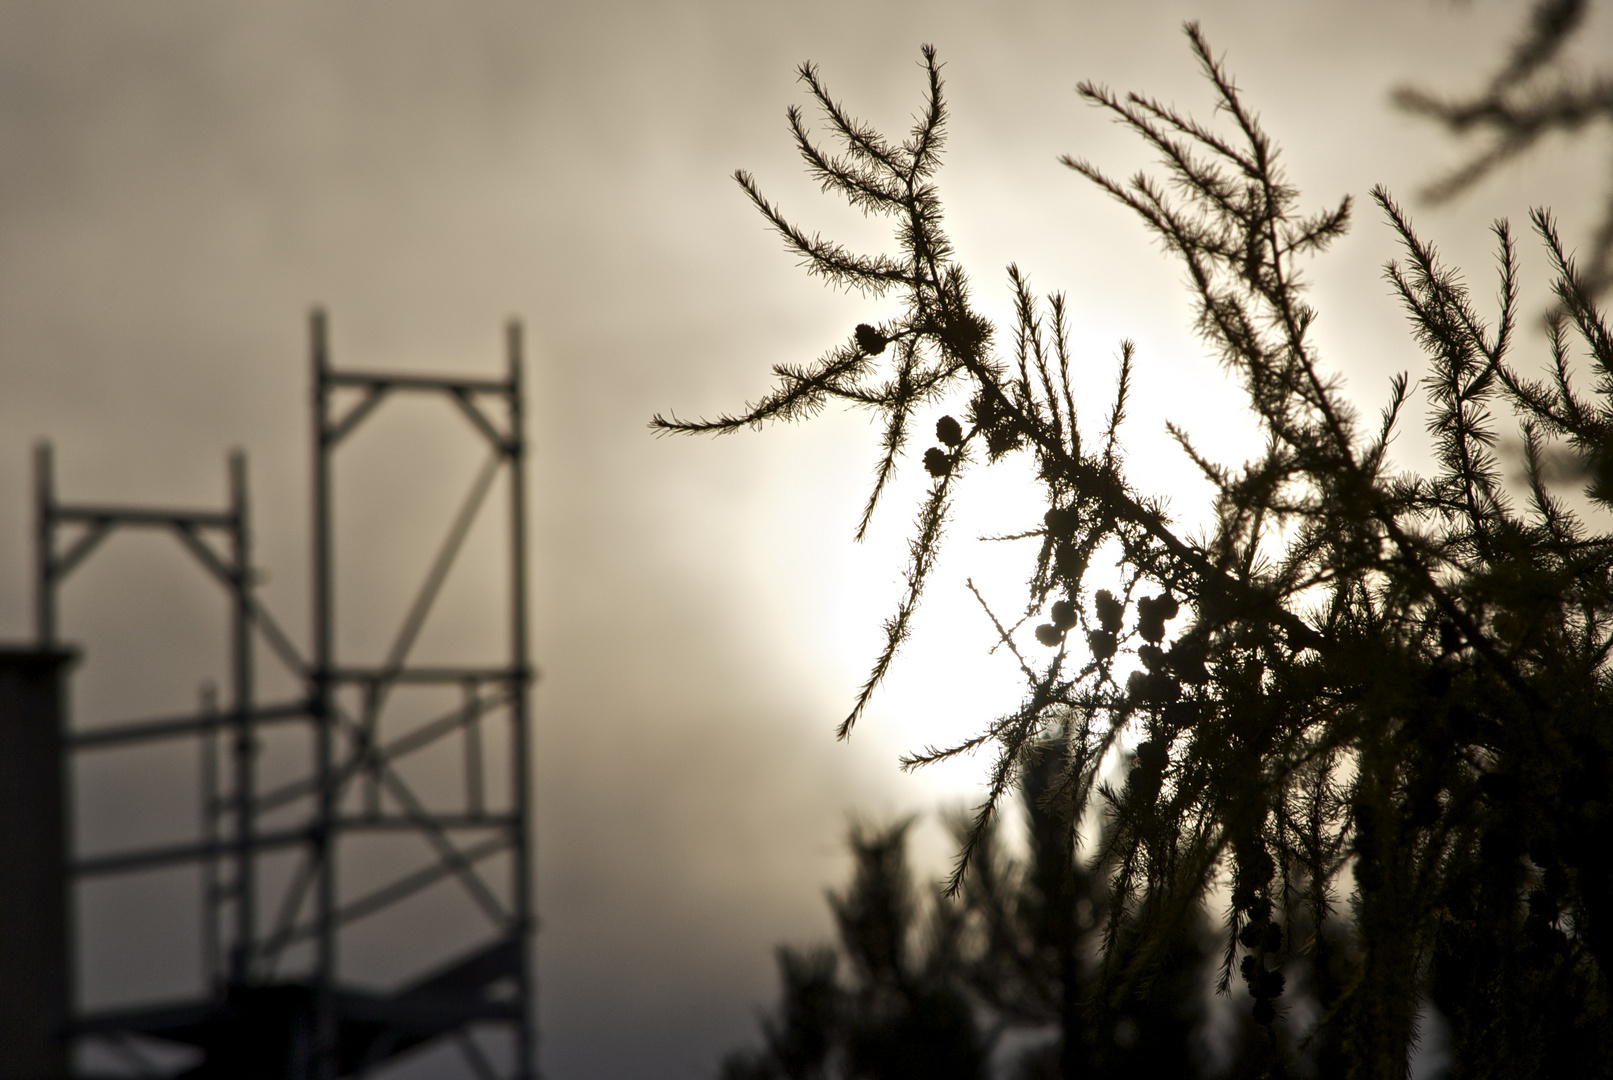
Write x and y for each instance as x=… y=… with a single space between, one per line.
x=1366 y=716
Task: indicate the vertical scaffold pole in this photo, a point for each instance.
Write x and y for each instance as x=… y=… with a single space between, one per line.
x=215 y=970
x=245 y=738
x=323 y=709
x=521 y=664
x=44 y=558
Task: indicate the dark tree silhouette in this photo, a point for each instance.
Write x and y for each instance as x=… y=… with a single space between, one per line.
x=903 y=1017
x=935 y=985
x=1369 y=711
x=1033 y=946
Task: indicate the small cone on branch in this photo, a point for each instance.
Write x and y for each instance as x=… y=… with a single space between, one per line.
x=871 y=341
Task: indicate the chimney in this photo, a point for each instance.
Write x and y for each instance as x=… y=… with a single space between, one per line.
x=34 y=996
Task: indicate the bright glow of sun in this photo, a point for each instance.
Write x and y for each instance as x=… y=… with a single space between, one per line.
x=953 y=677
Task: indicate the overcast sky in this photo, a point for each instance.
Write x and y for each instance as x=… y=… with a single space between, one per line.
x=180 y=182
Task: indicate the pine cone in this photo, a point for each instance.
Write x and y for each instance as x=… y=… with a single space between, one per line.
x=1063 y=614
x=871 y=341
x=1110 y=611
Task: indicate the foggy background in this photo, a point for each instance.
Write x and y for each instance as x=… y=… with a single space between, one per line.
x=180 y=182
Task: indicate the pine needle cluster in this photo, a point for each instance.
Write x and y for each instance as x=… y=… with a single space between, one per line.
x=1365 y=718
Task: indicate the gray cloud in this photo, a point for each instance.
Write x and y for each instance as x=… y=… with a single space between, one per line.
x=180 y=181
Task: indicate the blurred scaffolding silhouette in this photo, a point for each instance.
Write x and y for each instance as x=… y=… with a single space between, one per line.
x=296 y=854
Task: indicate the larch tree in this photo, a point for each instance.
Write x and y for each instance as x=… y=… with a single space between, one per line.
x=1364 y=718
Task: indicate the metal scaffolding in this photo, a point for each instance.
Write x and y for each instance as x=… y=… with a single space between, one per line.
x=254 y=1021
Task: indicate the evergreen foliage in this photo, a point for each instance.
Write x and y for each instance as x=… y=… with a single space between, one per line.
x=902 y=1017
x=1368 y=710
x=935 y=986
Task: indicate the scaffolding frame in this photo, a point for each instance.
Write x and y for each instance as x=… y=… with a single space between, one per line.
x=313 y=1028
